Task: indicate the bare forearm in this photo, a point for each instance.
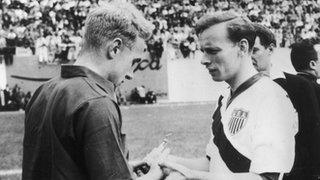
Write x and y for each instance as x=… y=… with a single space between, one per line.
x=199 y=164
x=148 y=177
x=201 y=175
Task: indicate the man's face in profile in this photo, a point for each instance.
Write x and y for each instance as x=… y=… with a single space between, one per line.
x=260 y=56
x=124 y=66
x=220 y=54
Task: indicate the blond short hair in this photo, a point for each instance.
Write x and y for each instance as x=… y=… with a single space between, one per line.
x=114 y=20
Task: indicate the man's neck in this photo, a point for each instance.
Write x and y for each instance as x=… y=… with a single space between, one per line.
x=267 y=71
x=241 y=77
x=309 y=74
x=90 y=61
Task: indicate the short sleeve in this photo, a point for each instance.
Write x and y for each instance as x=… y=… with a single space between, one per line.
x=101 y=149
x=273 y=135
x=211 y=149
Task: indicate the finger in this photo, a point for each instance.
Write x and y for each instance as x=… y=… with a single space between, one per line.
x=164 y=155
x=135 y=163
x=166 y=171
x=139 y=173
x=153 y=155
x=177 y=167
x=169 y=165
x=155 y=152
x=159 y=158
x=150 y=155
x=175 y=176
x=162 y=146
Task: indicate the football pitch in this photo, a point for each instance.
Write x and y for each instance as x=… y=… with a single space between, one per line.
x=144 y=125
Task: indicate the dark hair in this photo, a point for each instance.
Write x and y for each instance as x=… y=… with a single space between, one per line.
x=266 y=35
x=302 y=53
x=238 y=27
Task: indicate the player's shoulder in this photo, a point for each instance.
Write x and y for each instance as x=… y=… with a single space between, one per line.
x=274 y=100
x=296 y=79
x=267 y=87
x=273 y=96
x=77 y=89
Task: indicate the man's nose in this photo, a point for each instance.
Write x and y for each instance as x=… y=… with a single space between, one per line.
x=129 y=74
x=205 y=61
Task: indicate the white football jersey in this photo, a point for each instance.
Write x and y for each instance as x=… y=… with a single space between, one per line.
x=260 y=123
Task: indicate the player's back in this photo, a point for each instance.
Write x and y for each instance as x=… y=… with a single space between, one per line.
x=50 y=143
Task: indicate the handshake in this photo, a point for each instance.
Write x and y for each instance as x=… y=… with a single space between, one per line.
x=158 y=165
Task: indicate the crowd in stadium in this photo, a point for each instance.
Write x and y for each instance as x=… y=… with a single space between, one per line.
x=52 y=28
x=12 y=99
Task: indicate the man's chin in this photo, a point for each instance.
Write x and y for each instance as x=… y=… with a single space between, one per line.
x=128 y=77
x=217 y=78
x=119 y=83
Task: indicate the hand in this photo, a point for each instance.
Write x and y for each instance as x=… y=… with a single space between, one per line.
x=139 y=167
x=187 y=173
x=157 y=155
x=135 y=163
x=155 y=173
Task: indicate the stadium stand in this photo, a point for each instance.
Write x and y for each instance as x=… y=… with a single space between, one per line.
x=52 y=28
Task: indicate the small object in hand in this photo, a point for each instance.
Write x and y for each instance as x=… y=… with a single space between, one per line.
x=143 y=168
x=139 y=173
x=164 y=142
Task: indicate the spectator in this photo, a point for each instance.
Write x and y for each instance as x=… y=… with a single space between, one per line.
x=26 y=99
x=142 y=94
x=289 y=20
x=11 y=38
x=2 y=100
x=42 y=45
x=184 y=48
x=65 y=47
x=3 y=44
x=13 y=99
x=76 y=39
x=121 y=97
x=158 y=48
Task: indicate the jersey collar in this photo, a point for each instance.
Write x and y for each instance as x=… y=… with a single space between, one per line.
x=244 y=86
x=308 y=76
x=70 y=71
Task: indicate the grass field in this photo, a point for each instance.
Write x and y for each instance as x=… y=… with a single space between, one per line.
x=144 y=125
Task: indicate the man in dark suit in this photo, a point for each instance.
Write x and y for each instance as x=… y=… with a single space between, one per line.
x=302 y=95
x=305 y=60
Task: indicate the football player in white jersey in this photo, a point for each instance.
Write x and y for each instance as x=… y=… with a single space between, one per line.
x=303 y=98
x=254 y=123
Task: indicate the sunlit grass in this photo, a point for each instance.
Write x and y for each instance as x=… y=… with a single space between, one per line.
x=145 y=127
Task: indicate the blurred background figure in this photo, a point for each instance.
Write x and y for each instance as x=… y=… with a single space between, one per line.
x=42 y=49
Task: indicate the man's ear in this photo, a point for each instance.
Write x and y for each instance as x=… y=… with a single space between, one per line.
x=313 y=64
x=271 y=48
x=114 y=48
x=244 y=46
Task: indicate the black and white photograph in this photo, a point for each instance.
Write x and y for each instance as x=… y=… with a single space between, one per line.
x=159 y=89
